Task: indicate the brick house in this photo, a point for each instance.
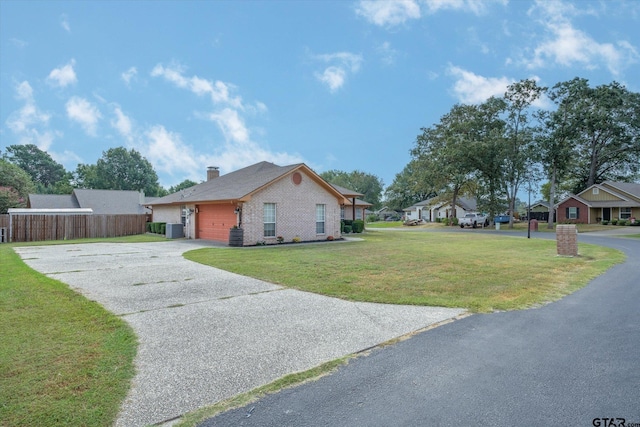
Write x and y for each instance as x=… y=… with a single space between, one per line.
x=265 y=200
x=607 y=201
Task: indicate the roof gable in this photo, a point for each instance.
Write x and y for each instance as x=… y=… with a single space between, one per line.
x=110 y=201
x=241 y=184
x=52 y=201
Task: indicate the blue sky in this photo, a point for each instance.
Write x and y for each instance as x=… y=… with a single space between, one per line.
x=334 y=84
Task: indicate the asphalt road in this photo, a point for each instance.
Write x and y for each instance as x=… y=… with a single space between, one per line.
x=564 y=364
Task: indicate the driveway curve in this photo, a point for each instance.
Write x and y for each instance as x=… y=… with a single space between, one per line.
x=206 y=334
x=574 y=362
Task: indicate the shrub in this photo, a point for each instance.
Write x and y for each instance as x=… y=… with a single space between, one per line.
x=346 y=229
x=372 y=218
x=446 y=221
x=358 y=226
x=163 y=228
x=280 y=239
x=296 y=239
x=622 y=222
x=605 y=222
x=455 y=221
x=614 y=222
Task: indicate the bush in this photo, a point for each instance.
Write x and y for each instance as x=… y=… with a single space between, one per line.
x=605 y=222
x=614 y=222
x=446 y=221
x=358 y=226
x=622 y=222
x=346 y=229
x=372 y=218
x=296 y=239
x=455 y=221
x=157 y=227
x=163 y=228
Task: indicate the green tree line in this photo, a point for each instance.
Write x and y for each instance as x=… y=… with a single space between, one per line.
x=506 y=144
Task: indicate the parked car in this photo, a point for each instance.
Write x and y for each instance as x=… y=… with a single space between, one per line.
x=473 y=220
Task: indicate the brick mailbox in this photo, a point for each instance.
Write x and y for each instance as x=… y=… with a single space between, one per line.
x=567 y=240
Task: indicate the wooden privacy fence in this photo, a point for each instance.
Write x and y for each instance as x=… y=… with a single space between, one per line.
x=33 y=227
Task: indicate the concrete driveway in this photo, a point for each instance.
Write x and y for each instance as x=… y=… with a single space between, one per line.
x=205 y=334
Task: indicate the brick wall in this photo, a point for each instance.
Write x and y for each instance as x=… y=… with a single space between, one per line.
x=567 y=239
x=583 y=212
x=295 y=211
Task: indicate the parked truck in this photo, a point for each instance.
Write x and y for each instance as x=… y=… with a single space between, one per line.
x=473 y=220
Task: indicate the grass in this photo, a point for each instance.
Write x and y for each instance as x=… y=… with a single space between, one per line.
x=64 y=360
x=479 y=272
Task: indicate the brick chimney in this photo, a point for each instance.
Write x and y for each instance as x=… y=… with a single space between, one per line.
x=212 y=172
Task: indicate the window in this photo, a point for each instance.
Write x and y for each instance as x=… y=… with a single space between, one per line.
x=320 y=219
x=625 y=213
x=183 y=214
x=596 y=190
x=572 y=212
x=342 y=212
x=359 y=213
x=269 y=219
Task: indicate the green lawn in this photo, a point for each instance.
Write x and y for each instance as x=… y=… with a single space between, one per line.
x=64 y=360
x=479 y=272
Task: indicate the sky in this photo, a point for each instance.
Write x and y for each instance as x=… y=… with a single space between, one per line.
x=341 y=85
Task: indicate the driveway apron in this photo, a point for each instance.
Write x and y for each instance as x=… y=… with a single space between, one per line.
x=205 y=334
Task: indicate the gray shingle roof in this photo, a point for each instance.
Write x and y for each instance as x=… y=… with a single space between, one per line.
x=232 y=186
x=52 y=201
x=110 y=201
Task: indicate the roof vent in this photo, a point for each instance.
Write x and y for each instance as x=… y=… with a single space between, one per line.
x=212 y=172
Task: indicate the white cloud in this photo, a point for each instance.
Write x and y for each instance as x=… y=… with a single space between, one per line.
x=471 y=88
x=387 y=53
x=231 y=125
x=218 y=91
x=122 y=123
x=341 y=64
x=64 y=23
x=63 y=76
x=29 y=123
x=18 y=43
x=566 y=45
x=85 y=113
x=129 y=74
x=166 y=151
x=388 y=13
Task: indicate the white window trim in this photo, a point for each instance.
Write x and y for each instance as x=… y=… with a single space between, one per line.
x=596 y=190
x=620 y=213
x=275 y=216
x=322 y=220
x=573 y=215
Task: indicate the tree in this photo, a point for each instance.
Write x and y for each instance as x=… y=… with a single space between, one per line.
x=442 y=153
x=518 y=137
x=119 y=169
x=407 y=188
x=555 y=139
x=607 y=124
x=15 y=186
x=369 y=185
x=44 y=171
x=183 y=185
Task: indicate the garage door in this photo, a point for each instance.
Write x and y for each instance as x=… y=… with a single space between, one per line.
x=214 y=222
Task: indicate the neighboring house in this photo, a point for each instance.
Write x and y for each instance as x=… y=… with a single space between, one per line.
x=606 y=201
x=106 y=202
x=464 y=205
x=265 y=200
x=419 y=211
x=353 y=208
x=540 y=211
x=384 y=213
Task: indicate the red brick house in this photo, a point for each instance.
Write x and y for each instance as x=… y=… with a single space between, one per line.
x=607 y=201
x=269 y=202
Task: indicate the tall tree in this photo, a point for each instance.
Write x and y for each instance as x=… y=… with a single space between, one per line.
x=555 y=137
x=368 y=184
x=607 y=120
x=407 y=188
x=44 y=171
x=441 y=153
x=15 y=186
x=119 y=169
x=519 y=136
